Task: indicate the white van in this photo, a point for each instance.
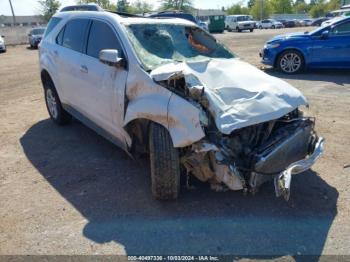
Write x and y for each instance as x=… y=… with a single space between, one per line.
x=239 y=23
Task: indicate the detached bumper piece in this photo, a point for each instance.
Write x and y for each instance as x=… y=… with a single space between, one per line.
x=283 y=180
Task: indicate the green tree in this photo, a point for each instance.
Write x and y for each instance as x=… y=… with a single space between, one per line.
x=48 y=8
x=282 y=6
x=237 y=9
x=122 y=6
x=184 y=5
x=251 y=3
x=139 y=7
x=301 y=8
x=318 y=9
x=261 y=9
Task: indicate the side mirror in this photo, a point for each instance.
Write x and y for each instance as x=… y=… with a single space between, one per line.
x=110 y=57
x=325 y=34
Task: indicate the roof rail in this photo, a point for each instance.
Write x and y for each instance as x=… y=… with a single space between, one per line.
x=124 y=14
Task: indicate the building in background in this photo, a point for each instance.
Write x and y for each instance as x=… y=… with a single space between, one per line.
x=34 y=20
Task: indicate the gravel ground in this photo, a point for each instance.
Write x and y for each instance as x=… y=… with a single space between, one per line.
x=66 y=190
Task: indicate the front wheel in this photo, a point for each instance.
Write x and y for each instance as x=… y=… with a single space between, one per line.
x=165 y=164
x=54 y=107
x=273 y=27
x=251 y=30
x=290 y=62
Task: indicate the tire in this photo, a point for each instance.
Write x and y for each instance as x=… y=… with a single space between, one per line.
x=165 y=164
x=251 y=30
x=260 y=27
x=287 y=56
x=273 y=27
x=53 y=104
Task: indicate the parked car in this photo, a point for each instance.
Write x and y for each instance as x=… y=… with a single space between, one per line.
x=239 y=23
x=287 y=23
x=175 y=14
x=35 y=35
x=299 y=22
x=168 y=88
x=328 y=22
x=308 y=22
x=203 y=25
x=319 y=21
x=325 y=47
x=270 y=23
x=2 y=44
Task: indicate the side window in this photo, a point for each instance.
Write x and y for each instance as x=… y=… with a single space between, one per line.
x=53 y=22
x=74 y=34
x=101 y=37
x=59 y=38
x=343 y=29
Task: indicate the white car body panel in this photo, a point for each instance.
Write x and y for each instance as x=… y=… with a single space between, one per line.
x=99 y=97
x=236 y=98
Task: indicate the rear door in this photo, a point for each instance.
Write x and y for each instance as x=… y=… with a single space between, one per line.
x=68 y=54
x=103 y=85
x=333 y=51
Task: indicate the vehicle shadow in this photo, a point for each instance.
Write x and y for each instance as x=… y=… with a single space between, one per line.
x=337 y=76
x=113 y=193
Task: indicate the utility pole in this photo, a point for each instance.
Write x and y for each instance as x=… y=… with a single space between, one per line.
x=13 y=14
x=261 y=9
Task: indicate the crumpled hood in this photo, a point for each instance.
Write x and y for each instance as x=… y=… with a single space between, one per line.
x=239 y=94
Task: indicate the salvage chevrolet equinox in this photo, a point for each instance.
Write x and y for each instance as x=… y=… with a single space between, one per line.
x=168 y=88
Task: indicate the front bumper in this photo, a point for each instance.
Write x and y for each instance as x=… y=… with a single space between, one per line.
x=246 y=26
x=2 y=47
x=267 y=57
x=35 y=42
x=283 y=180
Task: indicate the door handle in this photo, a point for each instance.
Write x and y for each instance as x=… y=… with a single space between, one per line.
x=84 y=69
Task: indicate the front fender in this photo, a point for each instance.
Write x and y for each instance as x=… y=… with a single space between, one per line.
x=147 y=100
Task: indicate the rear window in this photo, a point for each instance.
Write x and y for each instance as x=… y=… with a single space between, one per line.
x=74 y=34
x=52 y=23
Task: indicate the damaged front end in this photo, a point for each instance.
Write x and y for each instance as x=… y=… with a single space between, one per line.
x=243 y=146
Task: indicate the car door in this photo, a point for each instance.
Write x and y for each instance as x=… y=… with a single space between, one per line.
x=334 y=50
x=67 y=55
x=103 y=85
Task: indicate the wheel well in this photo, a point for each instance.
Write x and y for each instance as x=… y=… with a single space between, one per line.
x=138 y=130
x=45 y=77
x=288 y=49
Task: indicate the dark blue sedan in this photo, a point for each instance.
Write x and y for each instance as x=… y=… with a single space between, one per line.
x=325 y=47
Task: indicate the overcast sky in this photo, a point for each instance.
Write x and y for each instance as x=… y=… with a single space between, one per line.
x=30 y=7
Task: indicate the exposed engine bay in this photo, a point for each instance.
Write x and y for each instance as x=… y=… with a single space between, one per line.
x=246 y=157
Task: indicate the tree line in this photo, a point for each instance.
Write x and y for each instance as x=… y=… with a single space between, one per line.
x=259 y=9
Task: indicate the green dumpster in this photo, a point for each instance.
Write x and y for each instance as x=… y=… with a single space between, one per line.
x=216 y=24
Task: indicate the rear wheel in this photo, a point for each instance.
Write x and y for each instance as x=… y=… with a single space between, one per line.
x=251 y=30
x=165 y=164
x=290 y=62
x=54 y=106
x=273 y=27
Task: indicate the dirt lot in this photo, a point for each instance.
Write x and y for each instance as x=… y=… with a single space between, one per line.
x=65 y=190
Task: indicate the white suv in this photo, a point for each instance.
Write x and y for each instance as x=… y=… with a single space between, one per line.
x=168 y=88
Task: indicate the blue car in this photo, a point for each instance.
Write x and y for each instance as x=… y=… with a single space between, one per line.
x=325 y=47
